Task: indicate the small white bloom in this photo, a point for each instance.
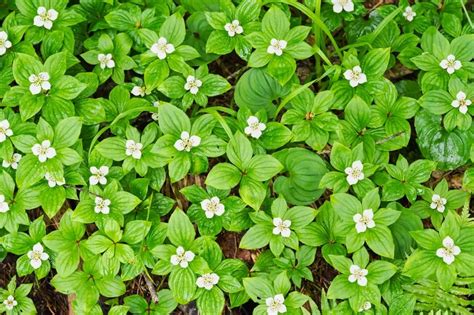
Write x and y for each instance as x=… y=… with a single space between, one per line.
x=450 y=64
x=44 y=151
x=212 y=207
x=45 y=18
x=102 y=205
x=282 y=227
x=409 y=14
x=5 y=130
x=37 y=256
x=186 y=143
x=358 y=274
x=276 y=305
x=460 y=102
x=339 y=5
x=138 y=90
x=276 y=46
x=52 y=181
x=355 y=76
x=192 y=84
x=207 y=281
x=448 y=251
x=182 y=257
x=355 y=173
x=98 y=175
x=233 y=28
x=3 y=204
x=133 y=149
x=4 y=43
x=254 y=127
x=438 y=203
x=39 y=83
x=106 y=61
x=10 y=302
x=364 y=221
x=365 y=307
x=13 y=161
x=162 y=48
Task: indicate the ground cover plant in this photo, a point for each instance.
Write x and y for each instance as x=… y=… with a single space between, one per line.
x=236 y=157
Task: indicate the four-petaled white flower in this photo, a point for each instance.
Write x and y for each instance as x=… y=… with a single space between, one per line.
x=450 y=64
x=10 y=302
x=355 y=76
x=461 y=102
x=409 y=14
x=53 y=181
x=364 y=221
x=448 y=251
x=438 y=203
x=254 y=127
x=39 y=83
x=187 y=142
x=4 y=43
x=182 y=257
x=212 y=207
x=339 y=5
x=233 y=28
x=282 y=227
x=276 y=46
x=98 y=175
x=365 y=307
x=102 y=205
x=276 y=305
x=355 y=172
x=207 y=281
x=44 y=151
x=45 y=18
x=133 y=149
x=3 y=204
x=5 y=130
x=138 y=90
x=192 y=84
x=358 y=274
x=162 y=48
x=106 y=61
x=37 y=256
x=13 y=161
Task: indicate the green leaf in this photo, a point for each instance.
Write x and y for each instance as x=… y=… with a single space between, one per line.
x=223 y=176
x=263 y=167
x=256 y=237
x=252 y=192
x=182 y=283
x=173 y=120
x=180 y=229
x=67 y=132
x=380 y=240
x=275 y=23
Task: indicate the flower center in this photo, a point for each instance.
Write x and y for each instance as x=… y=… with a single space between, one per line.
x=309 y=116
x=36 y=255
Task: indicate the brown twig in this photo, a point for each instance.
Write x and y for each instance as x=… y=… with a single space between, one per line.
x=151 y=289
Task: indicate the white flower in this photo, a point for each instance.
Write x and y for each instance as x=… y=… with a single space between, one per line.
x=162 y=48
x=233 y=28
x=409 y=14
x=98 y=175
x=106 y=61
x=212 y=207
x=460 y=102
x=450 y=64
x=13 y=161
x=138 y=90
x=358 y=274
x=3 y=204
x=254 y=127
x=339 y=5
x=354 y=173
x=364 y=221
x=276 y=46
x=182 y=257
x=437 y=202
x=52 y=181
x=276 y=304
x=10 y=302
x=39 y=83
x=281 y=227
x=133 y=149
x=186 y=143
x=207 y=281
x=5 y=130
x=4 y=43
x=355 y=76
x=45 y=18
x=192 y=85
x=44 y=151
x=448 y=251
x=365 y=307
x=102 y=205
x=37 y=256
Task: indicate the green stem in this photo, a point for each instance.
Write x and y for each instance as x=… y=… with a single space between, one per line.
x=467 y=14
x=220 y=119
